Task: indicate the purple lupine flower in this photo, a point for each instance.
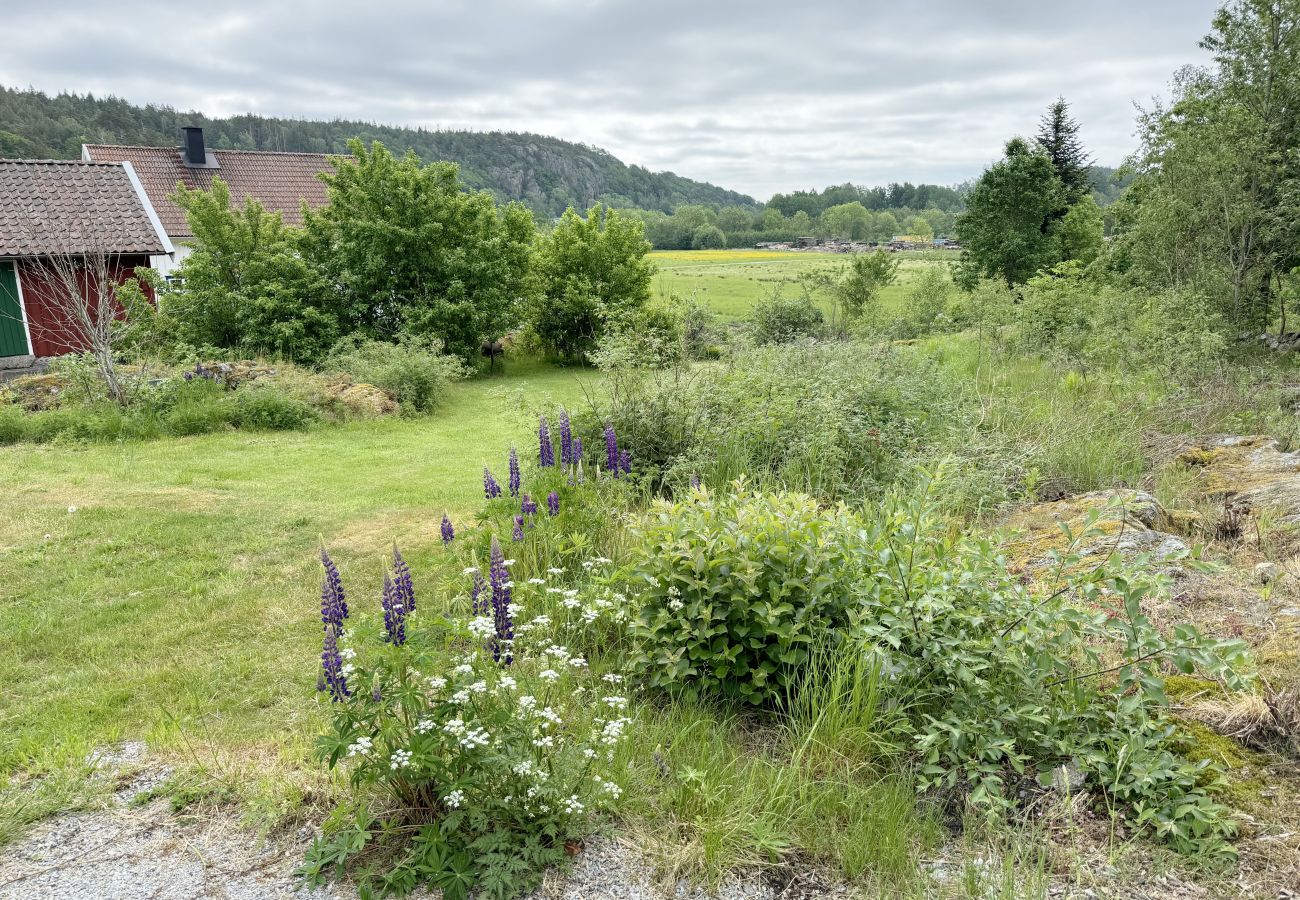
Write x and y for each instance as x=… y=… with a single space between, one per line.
x=499 y=578
x=333 y=604
x=553 y=503
x=402 y=581
x=448 y=532
x=529 y=506
x=624 y=462
x=695 y=481
x=491 y=489
x=566 y=439
x=577 y=450
x=376 y=694
x=394 y=613
x=480 y=607
x=611 y=450
x=546 y=450
x=518 y=534
x=331 y=676
x=514 y=473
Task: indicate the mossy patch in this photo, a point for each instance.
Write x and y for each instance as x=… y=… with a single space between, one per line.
x=1239 y=785
x=1186 y=688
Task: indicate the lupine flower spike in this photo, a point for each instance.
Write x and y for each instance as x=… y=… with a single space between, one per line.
x=553 y=503
x=624 y=462
x=566 y=439
x=332 y=678
x=546 y=450
x=491 y=489
x=577 y=450
x=514 y=473
x=499 y=578
x=519 y=528
x=394 y=613
x=402 y=581
x=611 y=450
x=448 y=532
x=529 y=507
x=695 y=482
x=333 y=605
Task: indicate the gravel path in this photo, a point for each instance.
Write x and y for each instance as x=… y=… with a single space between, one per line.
x=129 y=852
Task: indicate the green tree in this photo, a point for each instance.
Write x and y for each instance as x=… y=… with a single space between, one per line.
x=1081 y=233
x=592 y=273
x=708 y=237
x=1218 y=190
x=801 y=224
x=867 y=275
x=1003 y=231
x=246 y=286
x=409 y=250
x=1058 y=135
x=850 y=221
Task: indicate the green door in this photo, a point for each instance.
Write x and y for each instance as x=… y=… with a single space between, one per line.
x=13 y=336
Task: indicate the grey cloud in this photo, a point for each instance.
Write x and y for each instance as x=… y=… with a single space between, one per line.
x=758 y=96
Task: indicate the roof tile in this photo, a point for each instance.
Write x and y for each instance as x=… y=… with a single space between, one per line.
x=279 y=181
x=63 y=206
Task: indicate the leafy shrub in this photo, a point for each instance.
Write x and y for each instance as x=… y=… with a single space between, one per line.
x=270 y=410
x=777 y=319
x=413 y=370
x=650 y=339
x=736 y=590
x=833 y=420
x=13 y=425
x=702 y=334
x=478 y=747
x=926 y=307
x=999 y=680
x=198 y=416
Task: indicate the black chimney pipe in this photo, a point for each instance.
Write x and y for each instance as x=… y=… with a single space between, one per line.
x=195 y=154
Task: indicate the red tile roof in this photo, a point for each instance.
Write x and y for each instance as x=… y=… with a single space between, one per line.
x=279 y=181
x=63 y=206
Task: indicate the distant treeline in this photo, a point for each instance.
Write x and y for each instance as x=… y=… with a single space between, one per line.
x=546 y=173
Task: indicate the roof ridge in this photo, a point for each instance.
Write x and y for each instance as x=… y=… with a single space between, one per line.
x=60 y=162
x=216 y=150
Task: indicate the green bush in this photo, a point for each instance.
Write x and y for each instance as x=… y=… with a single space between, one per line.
x=777 y=319
x=414 y=370
x=13 y=424
x=833 y=420
x=267 y=409
x=736 y=590
x=197 y=416
x=651 y=338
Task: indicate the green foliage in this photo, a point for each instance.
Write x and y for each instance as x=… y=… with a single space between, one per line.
x=777 y=319
x=1002 y=231
x=832 y=420
x=926 y=309
x=652 y=338
x=1081 y=232
x=708 y=237
x=736 y=590
x=1058 y=136
x=266 y=409
x=409 y=251
x=867 y=275
x=246 y=286
x=592 y=273
x=413 y=369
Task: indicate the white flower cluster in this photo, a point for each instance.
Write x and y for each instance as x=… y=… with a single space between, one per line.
x=482 y=627
x=360 y=747
x=401 y=759
x=454 y=799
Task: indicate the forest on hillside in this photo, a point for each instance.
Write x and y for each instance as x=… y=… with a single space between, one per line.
x=546 y=173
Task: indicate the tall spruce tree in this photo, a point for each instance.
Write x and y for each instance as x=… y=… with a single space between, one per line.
x=1058 y=135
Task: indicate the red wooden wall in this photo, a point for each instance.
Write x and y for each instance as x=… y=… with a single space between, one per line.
x=51 y=333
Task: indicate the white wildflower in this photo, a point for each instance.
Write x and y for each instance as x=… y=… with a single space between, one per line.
x=482 y=627
x=454 y=799
x=463 y=669
x=554 y=571
x=348 y=653
x=612 y=678
x=469 y=570
x=424 y=726
x=437 y=683
x=537 y=581
x=527 y=702
x=572 y=805
x=549 y=675
x=509 y=562
x=360 y=747
x=400 y=759
x=675 y=605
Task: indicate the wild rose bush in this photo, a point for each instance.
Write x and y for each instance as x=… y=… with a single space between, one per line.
x=477 y=747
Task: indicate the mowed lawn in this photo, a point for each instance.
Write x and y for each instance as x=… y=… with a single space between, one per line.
x=732 y=281
x=168 y=590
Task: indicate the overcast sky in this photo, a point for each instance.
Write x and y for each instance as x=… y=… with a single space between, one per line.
x=754 y=96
